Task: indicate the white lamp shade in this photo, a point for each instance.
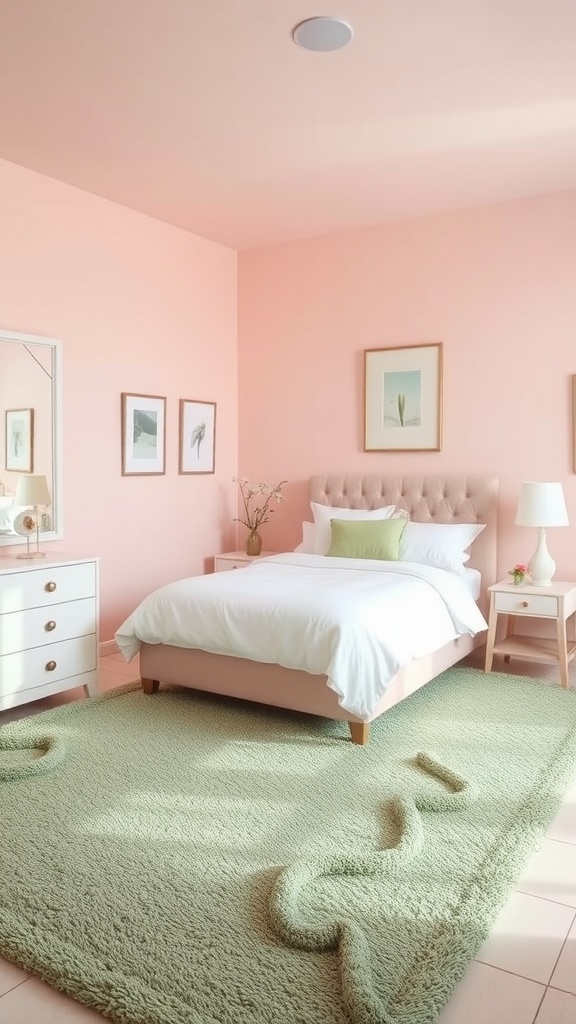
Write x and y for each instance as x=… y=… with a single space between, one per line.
x=541 y=504
x=32 y=490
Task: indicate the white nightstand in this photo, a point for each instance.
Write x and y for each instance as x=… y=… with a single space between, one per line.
x=237 y=559
x=556 y=602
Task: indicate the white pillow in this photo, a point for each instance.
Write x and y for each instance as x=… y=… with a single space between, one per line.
x=442 y=545
x=324 y=513
x=306 y=546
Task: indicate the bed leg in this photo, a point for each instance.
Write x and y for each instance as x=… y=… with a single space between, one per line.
x=150 y=685
x=360 y=732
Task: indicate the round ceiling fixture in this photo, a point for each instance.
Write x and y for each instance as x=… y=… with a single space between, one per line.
x=322 y=34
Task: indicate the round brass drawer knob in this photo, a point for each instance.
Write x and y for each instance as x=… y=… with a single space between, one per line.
x=50 y=626
x=50 y=587
x=524 y=604
x=50 y=666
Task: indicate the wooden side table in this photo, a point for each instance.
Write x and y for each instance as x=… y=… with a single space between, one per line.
x=556 y=603
x=237 y=559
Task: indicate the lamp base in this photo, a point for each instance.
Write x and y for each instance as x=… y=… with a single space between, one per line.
x=33 y=554
x=542 y=565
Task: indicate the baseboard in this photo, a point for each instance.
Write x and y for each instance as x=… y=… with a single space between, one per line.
x=108 y=647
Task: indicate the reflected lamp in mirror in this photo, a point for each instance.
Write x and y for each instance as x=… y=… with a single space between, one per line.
x=541 y=505
x=33 y=490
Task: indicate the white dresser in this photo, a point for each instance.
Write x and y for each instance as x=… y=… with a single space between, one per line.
x=48 y=627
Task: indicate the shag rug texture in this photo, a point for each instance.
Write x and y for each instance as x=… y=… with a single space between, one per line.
x=183 y=859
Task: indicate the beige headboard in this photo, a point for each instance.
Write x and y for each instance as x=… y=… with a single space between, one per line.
x=427 y=499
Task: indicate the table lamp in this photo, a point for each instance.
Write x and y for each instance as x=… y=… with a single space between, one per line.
x=33 y=490
x=541 y=505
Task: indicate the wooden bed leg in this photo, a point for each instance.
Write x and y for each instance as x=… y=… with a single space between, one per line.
x=360 y=732
x=150 y=685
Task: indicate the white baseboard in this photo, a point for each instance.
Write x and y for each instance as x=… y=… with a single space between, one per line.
x=109 y=647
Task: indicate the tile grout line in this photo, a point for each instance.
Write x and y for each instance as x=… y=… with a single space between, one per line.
x=537 y=1014
x=17 y=985
x=562 y=949
x=546 y=899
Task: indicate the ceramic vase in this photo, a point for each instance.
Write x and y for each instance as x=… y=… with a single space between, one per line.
x=253 y=543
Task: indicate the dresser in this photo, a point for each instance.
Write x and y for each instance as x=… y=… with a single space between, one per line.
x=48 y=627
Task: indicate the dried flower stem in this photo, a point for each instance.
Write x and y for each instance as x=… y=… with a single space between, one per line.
x=256 y=515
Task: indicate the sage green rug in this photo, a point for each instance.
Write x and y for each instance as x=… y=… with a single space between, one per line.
x=180 y=859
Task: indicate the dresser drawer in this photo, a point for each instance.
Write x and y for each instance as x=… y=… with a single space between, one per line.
x=526 y=604
x=28 y=669
x=47 y=586
x=38 y=626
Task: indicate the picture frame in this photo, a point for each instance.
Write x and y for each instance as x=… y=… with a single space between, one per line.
x=197 y=436
x=19 y=440
x=574 y=422
x=143 y=434
x=403 y=398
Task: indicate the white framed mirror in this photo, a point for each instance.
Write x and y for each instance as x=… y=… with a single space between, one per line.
x=30 y=427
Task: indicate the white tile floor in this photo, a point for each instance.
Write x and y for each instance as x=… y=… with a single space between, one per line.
x=525 y=973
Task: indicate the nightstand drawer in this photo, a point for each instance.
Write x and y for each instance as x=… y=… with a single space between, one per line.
x=526 y=604
x=222 y=564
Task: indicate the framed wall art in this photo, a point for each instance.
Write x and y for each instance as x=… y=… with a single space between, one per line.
x=19 y=432
x=574 y=423
x=143 y=435
x=403 y=399
x=197 y=441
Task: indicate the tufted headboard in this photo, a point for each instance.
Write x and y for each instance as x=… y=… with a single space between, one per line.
x=427 y=499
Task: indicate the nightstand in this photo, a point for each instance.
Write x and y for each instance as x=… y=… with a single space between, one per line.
x=237 y=559
x=556 y=602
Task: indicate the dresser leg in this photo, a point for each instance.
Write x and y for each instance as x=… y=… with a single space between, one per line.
x=90 y=689
x=150 y=685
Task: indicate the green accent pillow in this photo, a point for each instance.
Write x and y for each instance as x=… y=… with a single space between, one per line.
x=378 y=538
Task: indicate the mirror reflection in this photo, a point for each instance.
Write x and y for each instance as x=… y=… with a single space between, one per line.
x=29 y=418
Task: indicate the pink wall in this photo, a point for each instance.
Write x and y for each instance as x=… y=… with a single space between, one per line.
x=144 y=307
x=495 y=285
x=140 y=307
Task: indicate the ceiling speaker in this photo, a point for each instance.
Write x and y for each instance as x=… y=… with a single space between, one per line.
x=322 y=34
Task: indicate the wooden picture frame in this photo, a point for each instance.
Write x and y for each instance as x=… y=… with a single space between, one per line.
x=197 y=436
x=574 y=422
x=143 y=434
x=19 y=440
x=403 y=399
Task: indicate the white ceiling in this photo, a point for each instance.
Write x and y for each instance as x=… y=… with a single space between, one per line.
x=205 y=114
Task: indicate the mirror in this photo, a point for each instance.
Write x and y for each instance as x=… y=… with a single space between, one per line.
x=30 y=427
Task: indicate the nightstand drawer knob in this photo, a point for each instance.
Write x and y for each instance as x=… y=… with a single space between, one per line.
x=50 y=666
x=525 y=604
x=50 y=587
x=50 y=626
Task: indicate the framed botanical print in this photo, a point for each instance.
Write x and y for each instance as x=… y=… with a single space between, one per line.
x=403 y=399
x=19 y=431
x=197 y=436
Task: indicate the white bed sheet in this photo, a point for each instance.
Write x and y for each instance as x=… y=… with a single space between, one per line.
x=357 y=621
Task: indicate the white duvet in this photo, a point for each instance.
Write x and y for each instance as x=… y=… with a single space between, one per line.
x=357 y=621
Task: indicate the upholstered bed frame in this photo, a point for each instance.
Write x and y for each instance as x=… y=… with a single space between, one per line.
x=451 y=499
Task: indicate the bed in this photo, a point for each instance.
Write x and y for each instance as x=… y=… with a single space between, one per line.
x=425 y=499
